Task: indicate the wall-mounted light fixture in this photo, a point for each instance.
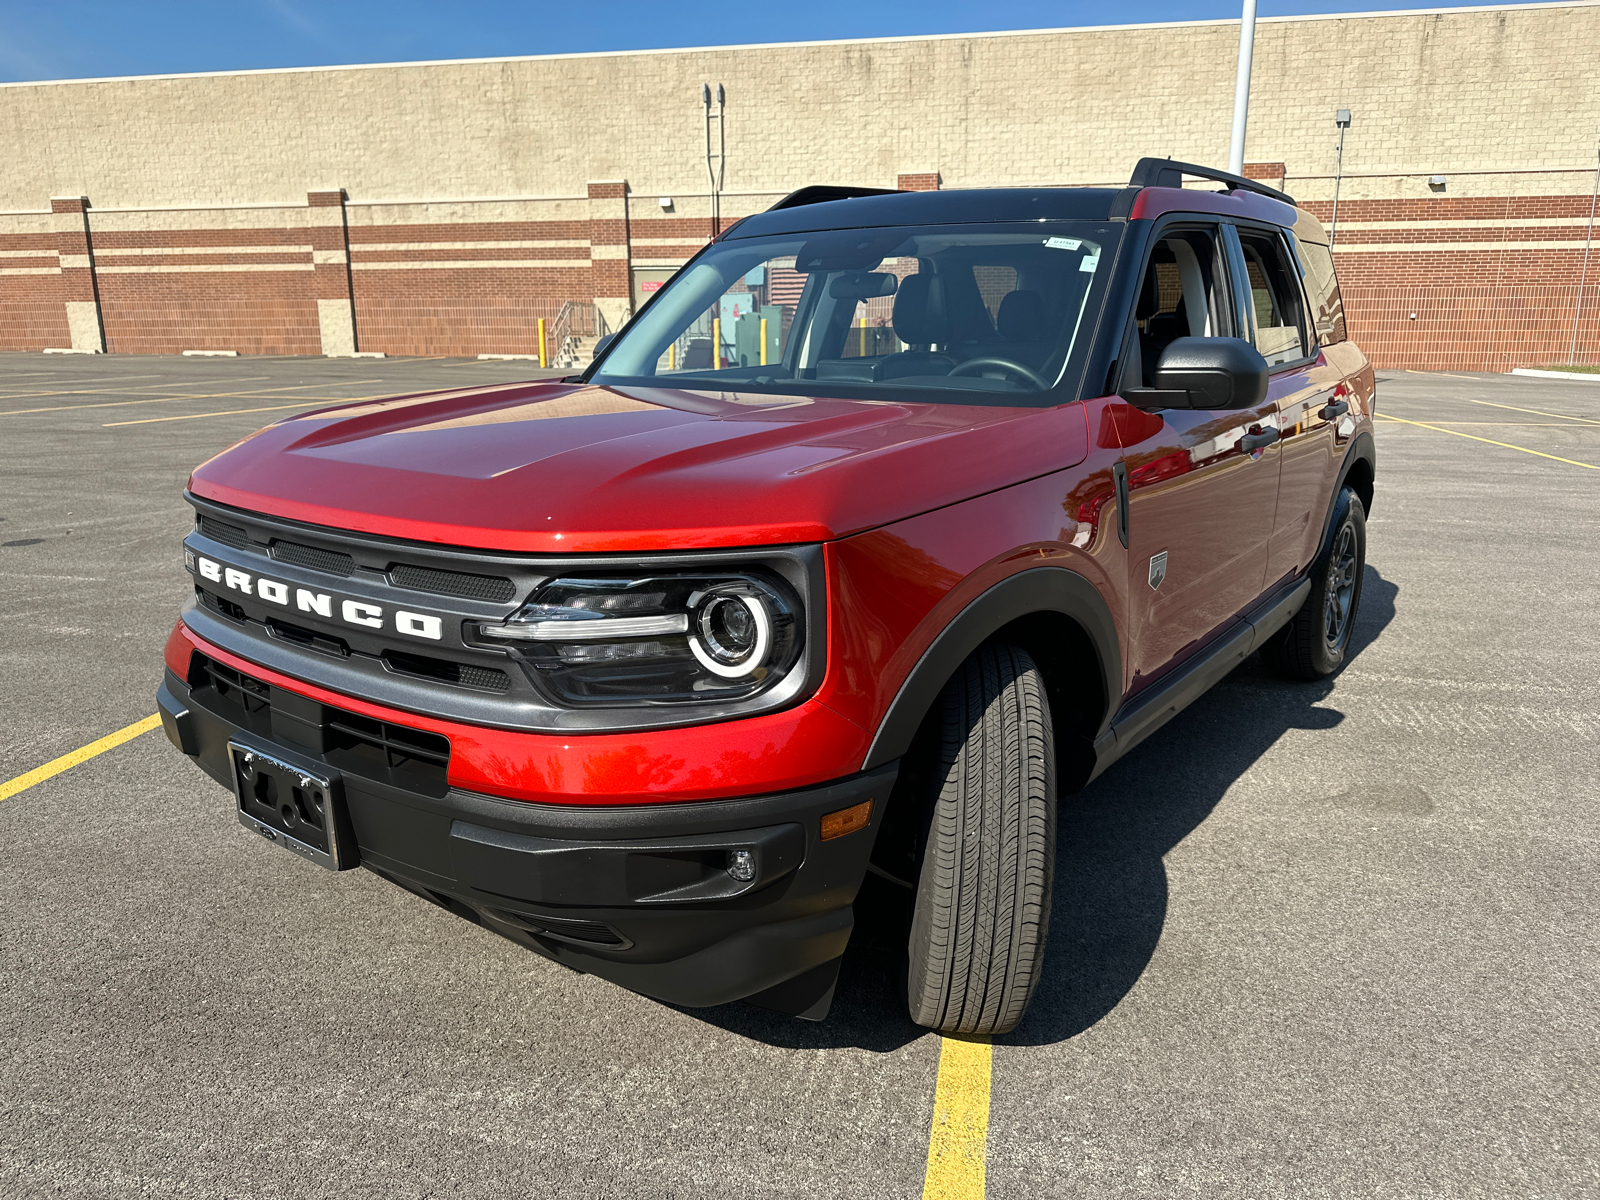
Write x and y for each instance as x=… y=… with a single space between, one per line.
x=1436 y=182
x=666 y=203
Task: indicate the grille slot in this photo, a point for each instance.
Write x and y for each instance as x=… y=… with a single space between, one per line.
x=591 y=932
x=452 y=583
x=218 y=604
x=326 y=643
x=399 y=746
x=332 y=562
x=488 y=679
x=221 y=531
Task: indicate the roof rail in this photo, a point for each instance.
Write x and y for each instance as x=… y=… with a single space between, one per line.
x=1166 y=172
x=821 y=193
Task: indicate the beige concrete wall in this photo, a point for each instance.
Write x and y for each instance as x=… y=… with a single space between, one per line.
x=1450 y=91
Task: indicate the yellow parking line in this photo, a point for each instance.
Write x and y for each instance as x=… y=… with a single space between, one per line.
x=262 y=393
x=1535 y=411
x=959 y=1140
x=112 y=740
x=320 y=402
x=1506 y=445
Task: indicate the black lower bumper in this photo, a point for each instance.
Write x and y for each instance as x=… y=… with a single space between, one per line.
x=641 y=895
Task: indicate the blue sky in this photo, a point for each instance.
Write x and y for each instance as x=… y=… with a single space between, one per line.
x=67 y=39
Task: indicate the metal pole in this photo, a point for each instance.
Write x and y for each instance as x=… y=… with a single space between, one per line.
x=711 y=174
x=1241 y=87
x=1342 y=120
x=722 y=156
x=1572 y=350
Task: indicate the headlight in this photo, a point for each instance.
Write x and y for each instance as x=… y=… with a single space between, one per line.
x=656 y=639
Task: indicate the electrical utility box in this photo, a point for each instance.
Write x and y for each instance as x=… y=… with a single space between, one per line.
x=747 y=336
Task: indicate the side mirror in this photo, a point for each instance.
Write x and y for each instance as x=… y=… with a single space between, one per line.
x=601 y=346
x=1205 y=373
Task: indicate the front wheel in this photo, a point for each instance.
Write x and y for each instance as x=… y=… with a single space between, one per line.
x=1314 y=643
x=983 y=895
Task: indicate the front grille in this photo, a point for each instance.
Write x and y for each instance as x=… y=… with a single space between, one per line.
x=333 y=562
x=452 y=583
x=488 y=679
x=221 y=531
x=358 y=745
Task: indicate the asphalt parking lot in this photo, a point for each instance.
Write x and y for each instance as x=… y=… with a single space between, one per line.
x=1310 y=940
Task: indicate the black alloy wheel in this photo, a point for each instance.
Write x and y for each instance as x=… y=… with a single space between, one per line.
x=1316 y=641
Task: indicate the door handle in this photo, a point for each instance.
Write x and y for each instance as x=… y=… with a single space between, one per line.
x=1259 y=440
x=1336 y=408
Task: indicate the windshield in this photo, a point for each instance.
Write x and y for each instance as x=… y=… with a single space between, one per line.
x=966 y=314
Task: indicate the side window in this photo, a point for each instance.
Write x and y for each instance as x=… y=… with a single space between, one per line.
x=1274 y=287
x=1178 y=296
x=1322 y=285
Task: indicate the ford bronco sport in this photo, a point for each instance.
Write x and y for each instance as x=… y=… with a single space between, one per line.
x=888 y=520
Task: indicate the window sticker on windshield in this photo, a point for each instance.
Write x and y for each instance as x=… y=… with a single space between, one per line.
x=1056 y=243
x=1090 y=262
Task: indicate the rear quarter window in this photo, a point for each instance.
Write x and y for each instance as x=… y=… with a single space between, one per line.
x=1322 y=288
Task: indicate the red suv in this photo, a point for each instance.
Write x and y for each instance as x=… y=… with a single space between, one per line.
x=888 y=520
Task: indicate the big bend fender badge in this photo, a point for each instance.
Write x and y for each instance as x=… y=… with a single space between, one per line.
x=1158 y=568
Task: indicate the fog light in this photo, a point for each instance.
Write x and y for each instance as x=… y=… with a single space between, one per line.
x=742 y=865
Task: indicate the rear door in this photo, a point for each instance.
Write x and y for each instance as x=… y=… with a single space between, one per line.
x=1302 y=386
x=1202 y=486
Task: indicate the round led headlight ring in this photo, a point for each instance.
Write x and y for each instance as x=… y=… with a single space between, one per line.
x=732 y=634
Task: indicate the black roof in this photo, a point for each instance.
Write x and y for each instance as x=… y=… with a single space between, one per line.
x=960 y=207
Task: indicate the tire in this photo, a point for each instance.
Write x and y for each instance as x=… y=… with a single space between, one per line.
x=983 y=894
x=1314 y=644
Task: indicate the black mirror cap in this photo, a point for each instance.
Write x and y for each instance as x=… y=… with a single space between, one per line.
x=601 y=346
x=1206 y=373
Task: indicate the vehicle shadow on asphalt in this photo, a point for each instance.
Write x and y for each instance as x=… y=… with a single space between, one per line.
x=1111 y=885
x=1110 y=901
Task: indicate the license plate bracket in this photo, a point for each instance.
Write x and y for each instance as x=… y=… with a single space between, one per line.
x=294 y=805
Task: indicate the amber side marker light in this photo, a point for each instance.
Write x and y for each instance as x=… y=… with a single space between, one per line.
x=846 y=820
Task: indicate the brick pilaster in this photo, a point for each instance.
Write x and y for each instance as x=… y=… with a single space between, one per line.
x=918 y=181
x=1269 y=173
x=330 y=260
x=80 y=290
x=610 y=258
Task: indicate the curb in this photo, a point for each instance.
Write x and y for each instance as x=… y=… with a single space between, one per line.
x=1591 y=377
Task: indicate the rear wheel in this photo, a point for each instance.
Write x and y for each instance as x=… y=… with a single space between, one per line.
x=983 y=894
x=1314 y=643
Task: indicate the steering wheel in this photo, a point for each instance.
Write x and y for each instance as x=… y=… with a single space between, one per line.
x=973 y=365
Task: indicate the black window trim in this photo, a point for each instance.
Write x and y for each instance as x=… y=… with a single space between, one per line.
x=1209 y=223
x=1308 y=329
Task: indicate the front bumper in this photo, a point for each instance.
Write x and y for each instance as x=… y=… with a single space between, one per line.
x=640 y=895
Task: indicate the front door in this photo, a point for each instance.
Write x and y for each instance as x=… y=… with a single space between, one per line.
x=1202 y=486
x=1302 y=385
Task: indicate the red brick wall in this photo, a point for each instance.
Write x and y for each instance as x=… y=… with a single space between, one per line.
x=1492 y=283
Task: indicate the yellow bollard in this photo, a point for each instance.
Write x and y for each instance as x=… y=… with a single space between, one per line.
x=544 y=349
x=716 y=343
x=672 y=357
x=863 y=337
x=763 y=341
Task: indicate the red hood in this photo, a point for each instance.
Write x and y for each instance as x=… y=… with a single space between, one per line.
x=552 y=467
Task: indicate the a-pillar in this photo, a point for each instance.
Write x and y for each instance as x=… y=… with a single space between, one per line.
x=918 y=181
x=330 y=261
x=609 y=258
x=80 y=290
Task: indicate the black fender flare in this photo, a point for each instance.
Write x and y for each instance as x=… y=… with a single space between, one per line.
x=1039 y=589
x=1362 y=449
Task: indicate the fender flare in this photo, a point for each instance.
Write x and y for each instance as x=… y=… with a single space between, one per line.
x=1040 y=589
x=1362 y=449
